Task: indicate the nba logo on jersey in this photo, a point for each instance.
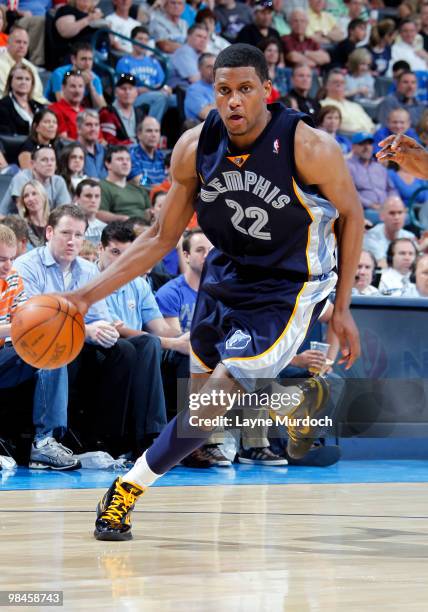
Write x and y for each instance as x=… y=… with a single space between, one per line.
x=276 y=146
x=238 y=341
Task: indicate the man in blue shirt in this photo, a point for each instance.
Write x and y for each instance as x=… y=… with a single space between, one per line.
x=88 y=130
x=82 y=59
x=200 y=95
x=135 y=306
x=184 y=61
x=54 y=268
x=148 y=74
x=148 y=165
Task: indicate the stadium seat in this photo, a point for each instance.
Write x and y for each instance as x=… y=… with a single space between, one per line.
x=5 y=180
x=12 y=145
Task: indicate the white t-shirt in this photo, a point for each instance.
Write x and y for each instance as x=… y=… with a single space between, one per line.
x=124 y=27
x=392 y=282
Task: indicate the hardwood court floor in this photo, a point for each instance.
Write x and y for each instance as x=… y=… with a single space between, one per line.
x=305 y=547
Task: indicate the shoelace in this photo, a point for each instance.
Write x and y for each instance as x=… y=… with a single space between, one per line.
x=121 y=500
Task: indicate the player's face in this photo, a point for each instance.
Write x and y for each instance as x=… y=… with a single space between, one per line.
x=200 y=246
x=111 y=252
x=422 y=276
x=7 y=255
x=364 y=271
x=241 y=101
x=90 y=199
x=66 y=239
x=404 y=256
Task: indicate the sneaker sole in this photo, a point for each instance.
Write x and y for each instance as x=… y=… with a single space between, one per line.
x=35 y=465
x=274 y=462
x=112 y=537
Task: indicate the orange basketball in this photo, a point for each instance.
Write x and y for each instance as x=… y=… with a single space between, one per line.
x=48 y=331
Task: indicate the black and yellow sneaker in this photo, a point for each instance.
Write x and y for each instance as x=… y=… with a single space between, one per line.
x=114 y=511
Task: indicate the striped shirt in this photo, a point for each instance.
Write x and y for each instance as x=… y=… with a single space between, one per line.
x=11 y=296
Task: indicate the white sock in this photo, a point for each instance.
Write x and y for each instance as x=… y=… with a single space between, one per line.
x=141 y=474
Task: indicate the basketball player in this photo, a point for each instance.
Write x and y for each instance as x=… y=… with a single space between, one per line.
x=407 y=153
x=246 y=171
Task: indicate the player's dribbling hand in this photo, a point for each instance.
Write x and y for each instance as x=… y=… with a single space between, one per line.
x=349 y=338
x=74 y=297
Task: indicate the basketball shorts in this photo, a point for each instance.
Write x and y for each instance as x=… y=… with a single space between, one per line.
x=252 y=321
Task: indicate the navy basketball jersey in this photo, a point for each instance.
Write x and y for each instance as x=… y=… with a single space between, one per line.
x=251 y=206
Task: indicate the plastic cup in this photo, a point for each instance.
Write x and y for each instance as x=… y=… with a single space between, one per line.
x=323 y=347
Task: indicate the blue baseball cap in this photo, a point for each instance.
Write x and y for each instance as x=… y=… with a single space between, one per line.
x=361 y=137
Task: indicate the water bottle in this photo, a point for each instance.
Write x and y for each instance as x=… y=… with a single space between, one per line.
x=103 y=51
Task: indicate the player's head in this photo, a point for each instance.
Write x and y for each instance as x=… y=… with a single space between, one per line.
x=7 y=250
x=196 y=247
x=116 y=237
x=242 y=85
x=65 y=233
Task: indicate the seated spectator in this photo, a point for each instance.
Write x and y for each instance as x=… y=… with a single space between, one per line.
x=357 y=30
x=33 y=206
x=20 y=229
x=272 y=49
x=3 y=26
x=400 y=258
x=370 y=177
x=279 y=21
x=420 y=288
x=365 y=274
x=75 y=22
x=356 y=9
x=119 y=199
x=122 y=23
x=17 y=48
x=329 y=120
x=71 y=164
x=89 y=252
x=145 y=328
x=261 y=27
x=31 y=16
x=232 y=17
x=167 y=28
x=43 y=166
x=406 y=50
x=397 y=122
x=359 y=83
x=5 y=167
x=165 y=186
x=119 y=120
x=407 y=185
x=298 y=96
x=354 y=117
x=55 y=268
x=299 y=48
x=44 y=131
x=173 y=261
x=184 y=61
x=200 y=95
x=216 y=43
x=88 y=132
x=392 y=215
x=148 y=167
x=18 y=107
x=424 y=25
x=88 y=197
x=70 y=105
x=322 y=26
x=82 y=60
x=381 y=38
x=403 y=97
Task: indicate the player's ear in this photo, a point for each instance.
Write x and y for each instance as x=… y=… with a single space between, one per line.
x=267 y=86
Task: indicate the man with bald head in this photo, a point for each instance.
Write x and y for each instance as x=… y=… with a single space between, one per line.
x=298 y=48
x=397 y=122
x=378 y=239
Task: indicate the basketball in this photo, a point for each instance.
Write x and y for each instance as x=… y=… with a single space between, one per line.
x=48 y=331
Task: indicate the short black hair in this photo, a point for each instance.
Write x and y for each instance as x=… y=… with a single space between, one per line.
x=87 y=182
x=400 y=65
x=67 y=210
x=241 y=55
x=355 y=23
x=139 y=30
x=405 y=73
x=81 y=46
x=120 y=231
x=112 y=149
x=187 y=239
x=17 y=225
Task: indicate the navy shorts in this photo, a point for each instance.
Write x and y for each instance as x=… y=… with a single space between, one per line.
x=252 y=321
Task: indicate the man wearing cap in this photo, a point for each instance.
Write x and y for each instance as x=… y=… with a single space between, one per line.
x=119 y=120
x=260 y=29
x=370 y=177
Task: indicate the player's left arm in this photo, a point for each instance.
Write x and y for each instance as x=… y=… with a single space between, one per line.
x=320 y=162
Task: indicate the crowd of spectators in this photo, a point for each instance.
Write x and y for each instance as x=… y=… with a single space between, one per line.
x=90 y=170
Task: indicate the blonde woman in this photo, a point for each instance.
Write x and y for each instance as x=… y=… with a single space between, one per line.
x=359 y=82
x=33 y=206
x=17 y=108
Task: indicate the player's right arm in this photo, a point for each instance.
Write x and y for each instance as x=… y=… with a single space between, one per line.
x=407 y=153
x=151 y=246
